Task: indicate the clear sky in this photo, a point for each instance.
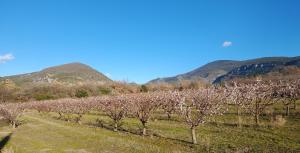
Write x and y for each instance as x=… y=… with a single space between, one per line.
x=139 y=40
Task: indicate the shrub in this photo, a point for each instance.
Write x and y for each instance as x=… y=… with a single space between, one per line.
x=41 y=97
x=104 y=91
x=81 y=93
x=144 y=88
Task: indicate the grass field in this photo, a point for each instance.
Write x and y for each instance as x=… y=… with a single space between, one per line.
x=45 y=133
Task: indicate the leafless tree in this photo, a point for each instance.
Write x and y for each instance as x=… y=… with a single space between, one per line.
x=201 y=104
x=79 y=107
x=236 y=94
x=116 y=108
x=260 y=94
x=143 y=106
x=11 y=112
x=170 y=102
x=288 y=91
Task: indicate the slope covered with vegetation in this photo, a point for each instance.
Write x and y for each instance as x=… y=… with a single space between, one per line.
x=218 y=71
x=73 y=73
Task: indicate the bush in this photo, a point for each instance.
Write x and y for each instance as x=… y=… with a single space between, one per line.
x=45 y=92
x=81 y=93
x=104 y=91
x=144 y=88
x=41 y=97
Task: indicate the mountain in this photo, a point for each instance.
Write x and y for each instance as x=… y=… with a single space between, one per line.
x=72 y=73
x=208 y=72
x=262 y=67
x=218 y=71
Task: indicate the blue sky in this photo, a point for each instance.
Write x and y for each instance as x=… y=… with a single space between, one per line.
x=139 y=40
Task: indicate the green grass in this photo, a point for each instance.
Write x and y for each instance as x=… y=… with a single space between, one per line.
x=45 y=133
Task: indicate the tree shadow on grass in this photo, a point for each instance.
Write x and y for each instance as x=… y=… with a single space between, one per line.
x=235 y=125
x=97 y=125
x=173 y=139
x=153 y=134
x=138 y=132
x=110 y=127
x=4 y=141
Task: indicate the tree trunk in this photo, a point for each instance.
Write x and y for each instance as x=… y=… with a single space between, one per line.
x=144 y=128
x=169 y=116
x=272 y=117
x=257 y=119
x=239 y=117
x=193 y=132
x=60 y=115
x=144 y=131
x=68 y=118
x=116 y=127
x=79 y=119
x=256 y=114
x=13 y=123
x=295 y=104
x=287 y=111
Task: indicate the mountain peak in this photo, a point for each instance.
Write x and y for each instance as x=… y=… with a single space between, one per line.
x=219 y=70
x=69 y=67
x=70 y=73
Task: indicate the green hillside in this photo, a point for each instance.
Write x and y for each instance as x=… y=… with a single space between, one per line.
x=73 y=73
